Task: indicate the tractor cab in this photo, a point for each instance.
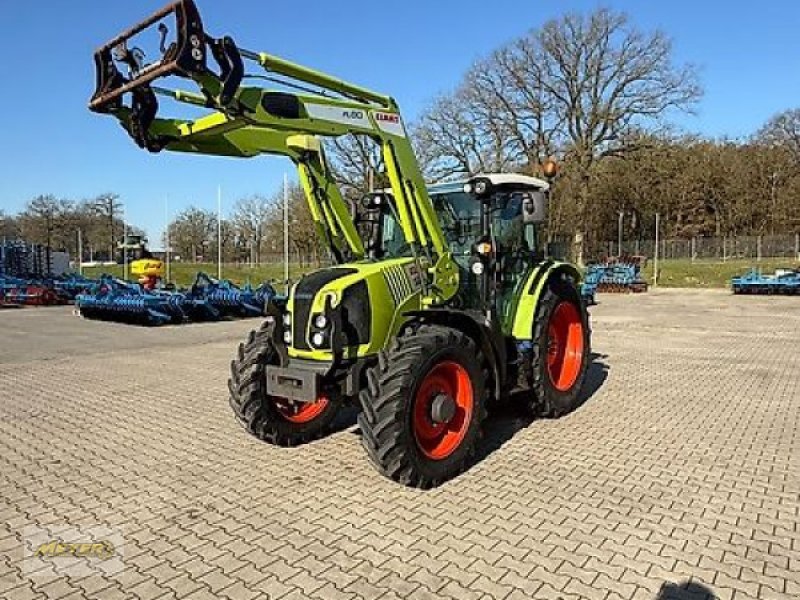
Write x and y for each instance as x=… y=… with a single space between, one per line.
x=492 y=225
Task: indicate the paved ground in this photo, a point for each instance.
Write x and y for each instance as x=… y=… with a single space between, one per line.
x=678 y=477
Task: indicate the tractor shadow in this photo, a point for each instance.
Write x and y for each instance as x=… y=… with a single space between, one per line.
x=687 y=590
x=510 y=417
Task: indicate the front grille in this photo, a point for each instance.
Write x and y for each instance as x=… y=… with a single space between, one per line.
x=399 y=285
x=304 y=295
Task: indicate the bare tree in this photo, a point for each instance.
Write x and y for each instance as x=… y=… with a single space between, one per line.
x=192 y=233
x=108 y=206
x=783 y=131
x=458 y=136
x=356 y=163
x=250 y=218
x=9 y=228
x=581 y=86
x=606 y=78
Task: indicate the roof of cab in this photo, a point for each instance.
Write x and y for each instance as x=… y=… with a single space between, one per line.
x=498 y=179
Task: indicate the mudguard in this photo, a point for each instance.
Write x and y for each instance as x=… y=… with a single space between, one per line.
x=524 y=308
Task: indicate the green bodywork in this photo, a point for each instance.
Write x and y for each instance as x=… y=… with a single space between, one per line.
x=518 y=321
x=392 y=293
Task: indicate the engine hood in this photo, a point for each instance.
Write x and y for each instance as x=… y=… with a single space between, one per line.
x=363 y=303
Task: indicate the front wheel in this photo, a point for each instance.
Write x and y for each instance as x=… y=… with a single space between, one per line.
x=561 y=341
x=271 y=418
x=423 y=406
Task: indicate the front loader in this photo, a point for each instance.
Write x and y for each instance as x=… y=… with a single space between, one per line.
x=440 y=301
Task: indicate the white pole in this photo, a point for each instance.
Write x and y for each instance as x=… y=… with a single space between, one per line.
x=286 y=230
x=124 y=244
x=167 y=241
x=797 y=245
x=655 y=255
x=80 y=252
x=219 y=232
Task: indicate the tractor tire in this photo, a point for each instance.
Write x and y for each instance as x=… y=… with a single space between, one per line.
x=272 y=419
x=560 y=358
x=423 y=406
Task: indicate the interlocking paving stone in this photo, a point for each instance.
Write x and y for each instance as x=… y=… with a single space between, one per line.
x=678 y=477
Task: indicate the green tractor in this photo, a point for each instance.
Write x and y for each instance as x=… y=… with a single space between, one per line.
x=441 y=301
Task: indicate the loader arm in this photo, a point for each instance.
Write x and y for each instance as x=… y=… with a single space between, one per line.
x=247 y=121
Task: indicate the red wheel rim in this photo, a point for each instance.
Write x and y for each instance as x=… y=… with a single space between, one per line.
x=565 y=346
x=439 y=440
x=301 y=412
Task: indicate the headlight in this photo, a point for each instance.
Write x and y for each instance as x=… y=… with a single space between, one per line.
x=320 y=321
x=287 y=319
x=287 y=337
x=318 y=339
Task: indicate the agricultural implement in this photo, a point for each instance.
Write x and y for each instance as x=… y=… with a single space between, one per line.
x=619 y=274
x=121 y=301
x=441 y=301
x=207 y=300
x=32 y=292
x=784 y=281
x=591 y=282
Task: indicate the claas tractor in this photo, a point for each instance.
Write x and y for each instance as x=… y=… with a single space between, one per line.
x=440 y=302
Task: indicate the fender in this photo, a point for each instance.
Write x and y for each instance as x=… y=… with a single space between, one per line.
x=530 y=293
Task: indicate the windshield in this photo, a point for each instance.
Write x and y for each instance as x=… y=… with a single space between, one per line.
x=459 y=217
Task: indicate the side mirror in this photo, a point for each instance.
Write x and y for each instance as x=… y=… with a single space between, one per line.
x=534 y=207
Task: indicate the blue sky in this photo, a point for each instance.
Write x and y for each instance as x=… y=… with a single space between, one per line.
x=747 y=54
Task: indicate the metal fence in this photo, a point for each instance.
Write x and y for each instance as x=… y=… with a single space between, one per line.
x=708 y=248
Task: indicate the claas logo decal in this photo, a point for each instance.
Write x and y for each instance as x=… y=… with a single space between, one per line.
x=387 y=117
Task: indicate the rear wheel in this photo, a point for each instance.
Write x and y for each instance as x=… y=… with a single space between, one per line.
x=560 y=349
x=271 y=418
x=423 y=406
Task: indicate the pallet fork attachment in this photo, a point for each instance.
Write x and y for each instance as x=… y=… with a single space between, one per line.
x=186 y=57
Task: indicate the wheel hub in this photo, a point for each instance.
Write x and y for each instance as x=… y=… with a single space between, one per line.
x=443 y=408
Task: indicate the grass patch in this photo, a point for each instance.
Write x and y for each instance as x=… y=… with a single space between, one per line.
x=683 y=273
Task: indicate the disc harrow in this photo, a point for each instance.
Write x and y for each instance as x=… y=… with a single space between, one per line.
x=784 y=282
x=618 y=274
x=207 y=300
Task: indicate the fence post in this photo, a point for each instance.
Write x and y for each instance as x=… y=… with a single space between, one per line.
x=655 y=255
x=725 y=249
x=758 y=248
x=694 y=248
x=797 y=246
